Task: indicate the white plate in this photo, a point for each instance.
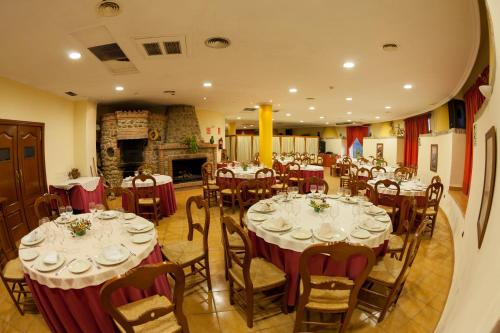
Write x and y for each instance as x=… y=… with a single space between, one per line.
x=360 y=233
x=261 y=209
x=366 y=203
x=105 y=262
x=28 y=254
x=60 y=220
x=258 y=217
x=270 y=227
x=141 y=238
x=383 y=218
x=301 y=234
x=348 y=201
x=40 y=238
x=129 y=216
x=107 y=215
x=337 y=236
x=333 y=196
x=379 y=211
x=135 y=231
x=43 y=267
x=374 y=227
x=79 y=266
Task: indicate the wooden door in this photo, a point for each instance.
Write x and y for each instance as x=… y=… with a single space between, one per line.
x=15 y=222
x=31 y=169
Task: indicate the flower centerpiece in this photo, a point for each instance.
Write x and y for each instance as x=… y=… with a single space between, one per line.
x=319 y=205
x=79 y=227
x=244 y=166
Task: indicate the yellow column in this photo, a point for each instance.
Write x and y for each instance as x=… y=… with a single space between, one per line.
x=266 y=135
x=231 y=128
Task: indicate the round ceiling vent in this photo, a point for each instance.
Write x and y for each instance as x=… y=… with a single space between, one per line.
x=217 y=42
x=390 y=47
x=108 y=8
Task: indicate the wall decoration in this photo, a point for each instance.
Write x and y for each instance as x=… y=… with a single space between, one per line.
x=475 y=134
x=380 y=151
x=209 y=130
x=434 y=157
x=490 y=166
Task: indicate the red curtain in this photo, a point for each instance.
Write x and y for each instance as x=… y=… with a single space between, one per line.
x=413 y=128
x=473 y=101
x=356 y=132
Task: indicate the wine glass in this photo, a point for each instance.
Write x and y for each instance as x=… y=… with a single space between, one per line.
x=62 y=212
x=313 y=188
x=121 y=212
x=69 y=211
x=99 y=208
x=92 y=208
x=321 y=189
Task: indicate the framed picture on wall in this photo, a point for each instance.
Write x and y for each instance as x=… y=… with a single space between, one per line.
x=490 y=166
x=434 y=158
x=380 y=150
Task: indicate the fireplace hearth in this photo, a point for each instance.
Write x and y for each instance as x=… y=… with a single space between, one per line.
x=132 y=155
x=187 y=169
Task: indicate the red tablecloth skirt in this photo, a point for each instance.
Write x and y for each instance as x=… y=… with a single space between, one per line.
x=79 y=198
x=288 y=261
x=225 y=182
x=80 y=311
x=166 y=193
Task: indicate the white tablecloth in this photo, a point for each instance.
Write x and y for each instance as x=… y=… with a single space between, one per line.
x=410 y=188
x=302 y=215
x=84 y=247
x=241 y=174
x=160 y=180
x=88 y=183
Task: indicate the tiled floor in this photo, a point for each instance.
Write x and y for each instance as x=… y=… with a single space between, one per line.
x=418 y=309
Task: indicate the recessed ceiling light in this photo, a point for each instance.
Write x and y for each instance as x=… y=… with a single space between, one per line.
x=74 y=55
x=270 y=101
x=205 y=98
x=288 y=114
x=377 y=117
x=349 y=112
x=238 y=118
x=349 y=120
x=207 y=84
x=244 y=127
x=327 y=123
x=312 y=108
x=348 y=98
x=388 y=107
x=256 y=106
x=408 y=86
x=349 y=64
x=293 y=90
x=301 y=121
x=119 y=88
x=322 y=117
x=251 y=125
x=279 y=104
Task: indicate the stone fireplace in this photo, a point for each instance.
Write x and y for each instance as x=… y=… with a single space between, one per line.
x=134 y=138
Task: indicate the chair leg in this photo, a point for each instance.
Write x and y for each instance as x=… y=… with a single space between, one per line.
x=433 y=224
x=345 y=321
x=386 y=306
x=299 y=316
x=233 y=203
x=207 y=271
x=231 y=291
x=249 y=296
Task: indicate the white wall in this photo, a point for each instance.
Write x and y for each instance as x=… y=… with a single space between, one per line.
x=212 y=120
x=85 y=136
x=451 y=155
x=393 y=148
x=474 y=300
x=336 y=146
x=21 y=102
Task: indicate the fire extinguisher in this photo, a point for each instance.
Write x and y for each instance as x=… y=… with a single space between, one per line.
x=221 y=142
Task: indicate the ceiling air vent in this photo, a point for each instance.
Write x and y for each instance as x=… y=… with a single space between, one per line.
x=173 y=47
x=108 y=8
x=70 y=93
x=249 y=109
x=160 y=47
x=108 y=52
x=276 y=110
x=152 y=49
x=217 y=42
x=343 y=123
x=390 y=47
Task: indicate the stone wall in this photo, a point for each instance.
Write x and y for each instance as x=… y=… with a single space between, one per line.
x=182 y=122
x=110 y=153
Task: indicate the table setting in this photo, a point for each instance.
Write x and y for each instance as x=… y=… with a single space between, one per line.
x=413 y=187
x=79 y=192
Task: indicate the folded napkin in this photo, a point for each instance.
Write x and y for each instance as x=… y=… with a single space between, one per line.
x=31 y=237
x=368 y=221
x=374 y=210
x=265 y=206
x=51 y=258
x=140 y=225
x=278 y=223
x=326 y=230
x=112 y=253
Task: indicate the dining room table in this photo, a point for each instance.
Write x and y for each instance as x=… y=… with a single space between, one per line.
x=65 y=271
x=281 y=228
x=242 y=174
x=79 y=192
x=407 y=188
x=164 y=190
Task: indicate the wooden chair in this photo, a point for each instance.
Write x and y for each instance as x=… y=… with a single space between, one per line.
x=387 y=278
x=403 y=173
x=154 y=313
x=389 y=202
x=267 y=176
x=260 y=191
x=12 y=275
x=294 y=175
x=191 y=253
x=209 y=168
x=376 y=170
x=227 y=186
x=399 y=240
x=312 y=157
x=364 y=160
x=346 y=159
x=330 y=294
x=210 y=189
x=278 y=168
x=306 y=183
x=436 y=179
x=319 y=160
x=361 y=187
x=235 y=242
x=48 y=206
x=364 y=173
x=146 y=199
x=282 y=185
x=353 y=170
x=250 y=275
x=430 y=209
x=305 y=160
x=111 y=193
x=345 y=171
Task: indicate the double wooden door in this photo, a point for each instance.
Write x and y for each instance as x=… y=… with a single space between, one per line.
x=22 y=170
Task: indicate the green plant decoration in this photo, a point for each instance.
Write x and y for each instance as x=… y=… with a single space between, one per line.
x=192 y=145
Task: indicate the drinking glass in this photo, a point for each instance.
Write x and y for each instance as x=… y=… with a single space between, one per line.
x=313 y=188
x=69 y=211
x=92 y=207
x=121 y=212
x=321 y=189
x=43 y=220
x=347 y=192
x=62 y=211
x=99 y=208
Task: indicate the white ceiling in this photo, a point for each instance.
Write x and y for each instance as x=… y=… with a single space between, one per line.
x=275 y=45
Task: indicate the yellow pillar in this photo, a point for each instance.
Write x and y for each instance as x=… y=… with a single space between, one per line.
x=231 y=128
x=266 y=135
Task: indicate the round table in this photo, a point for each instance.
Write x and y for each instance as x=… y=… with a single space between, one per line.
x=80 y=192
x=164 y=191
x=70 y=302
x=241 y=175
x=284 y=251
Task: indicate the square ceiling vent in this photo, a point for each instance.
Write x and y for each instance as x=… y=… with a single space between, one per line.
x=162 y=47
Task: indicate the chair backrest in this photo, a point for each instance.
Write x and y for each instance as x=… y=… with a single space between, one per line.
x=312 y=157
x=360 y=186
x=261 y=191
x=377 y=170
x=143 y=278
x=353 y=170
x=203 y=209
x=319 y=160
x=266 y=175
x=345 y=169
x=277 y=167
x=305 y=160
x=337 y=252
x=346 y=159
x=407 y=214
x=229 y=227
x=146 y=191
x=391 y=199
x=207 y=172
x=293 y=169
x=364 y=173
x=3 y=260
x=433 y=195
x=436 y=179
x=403 y=173
x=229 y=179
x=364 y=160
x=48 y=205
x=307 y=182
x=117 y=191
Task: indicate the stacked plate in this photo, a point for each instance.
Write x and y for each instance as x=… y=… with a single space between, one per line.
x=79 y=266
x=348 y=200
x=112 y=255
x=334 y=235
x=372 y=225
x=32 y=238
x=257 y=217
x=374 y=210
x=49 y=262
x=107 y=215
x=277 y=225
x=301 y=234
x=264 y=207
x=360 y=233
x=139 y=227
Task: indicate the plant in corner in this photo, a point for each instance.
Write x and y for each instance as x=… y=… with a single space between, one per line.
x=192 y=145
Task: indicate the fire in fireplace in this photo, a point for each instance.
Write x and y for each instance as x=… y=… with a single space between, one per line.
x=187 y=170
x=131 y=155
